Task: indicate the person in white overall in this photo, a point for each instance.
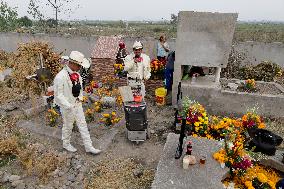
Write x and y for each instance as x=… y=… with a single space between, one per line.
x=137 y=64
x=68 y=96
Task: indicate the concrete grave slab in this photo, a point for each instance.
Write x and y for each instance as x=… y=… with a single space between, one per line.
x=274 y=161
x=171 y=175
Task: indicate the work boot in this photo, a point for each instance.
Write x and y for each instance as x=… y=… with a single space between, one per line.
x=93 y=150
x=69 y=148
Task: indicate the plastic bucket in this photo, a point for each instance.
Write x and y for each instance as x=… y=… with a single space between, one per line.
x=161 y=96
x=137 y=98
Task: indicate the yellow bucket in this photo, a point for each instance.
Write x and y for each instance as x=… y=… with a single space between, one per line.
x=161 y=96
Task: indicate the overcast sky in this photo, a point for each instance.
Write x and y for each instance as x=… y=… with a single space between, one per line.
x=249 y=10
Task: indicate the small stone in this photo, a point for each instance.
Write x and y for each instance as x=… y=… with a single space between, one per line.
x=13 y=178
x=71 y=178
x=80 y=177
x=152 y=131
x=17 y=183
x=56 y=184
x=55 y=173
x=5 y=177
x=138 y=172
x=21 y=185
x=232 y=86
x=165 y=135
x=78 y=166
x=61 y=173
x=68 y=183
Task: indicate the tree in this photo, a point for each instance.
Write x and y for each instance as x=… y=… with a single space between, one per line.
x=35 y=11
x=8 y=17
x=174 y=19
x=58 y=6
x=25 y=21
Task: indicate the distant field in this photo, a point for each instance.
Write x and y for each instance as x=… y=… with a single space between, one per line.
x=264 y=32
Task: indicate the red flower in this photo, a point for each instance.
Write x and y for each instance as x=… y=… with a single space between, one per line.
x=74 y=77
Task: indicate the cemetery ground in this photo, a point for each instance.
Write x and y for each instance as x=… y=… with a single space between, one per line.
x=42 y=163
x=122 y=164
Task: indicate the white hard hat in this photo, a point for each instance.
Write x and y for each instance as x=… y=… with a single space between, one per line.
x=78 y=58
x=137 y=45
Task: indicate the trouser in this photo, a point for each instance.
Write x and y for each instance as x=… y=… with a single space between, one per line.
x=69 y=117
x=169 y=78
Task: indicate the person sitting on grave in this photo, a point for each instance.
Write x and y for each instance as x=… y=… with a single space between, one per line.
x=137 y=64
x=68 y=95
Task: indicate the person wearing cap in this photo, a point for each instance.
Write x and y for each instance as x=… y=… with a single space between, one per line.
x=68 y=95
x=137 y=64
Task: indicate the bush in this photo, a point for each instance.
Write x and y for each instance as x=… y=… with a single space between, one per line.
x=25 y=21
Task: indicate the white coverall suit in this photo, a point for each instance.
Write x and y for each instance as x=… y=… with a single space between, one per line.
x=71 y=109
x=140 y=71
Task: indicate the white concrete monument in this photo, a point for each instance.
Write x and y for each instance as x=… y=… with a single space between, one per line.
x=203 y=39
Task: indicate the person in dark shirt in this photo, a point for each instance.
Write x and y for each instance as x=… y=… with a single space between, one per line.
x=121 y=54
x=170 y=70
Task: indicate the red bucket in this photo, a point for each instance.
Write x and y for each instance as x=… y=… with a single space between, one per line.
x=137 y=98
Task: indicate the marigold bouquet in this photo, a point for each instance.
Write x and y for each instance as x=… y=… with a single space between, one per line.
x=157 y=68
x=118 y=69
x=252 y=120
x=110 y=119
x=196 y=117
x=89 y=115
x=52 y=117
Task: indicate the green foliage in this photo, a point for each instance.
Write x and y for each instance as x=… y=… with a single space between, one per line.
x=8 y=17
x=25 y=21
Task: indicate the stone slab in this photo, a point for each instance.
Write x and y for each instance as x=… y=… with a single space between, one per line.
x=171 y=175
x=232 y=103
x=204 y=38
x=274 y=161
x=5 y=73
x=40 y=128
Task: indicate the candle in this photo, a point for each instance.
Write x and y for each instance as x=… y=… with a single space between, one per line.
x=185 y=162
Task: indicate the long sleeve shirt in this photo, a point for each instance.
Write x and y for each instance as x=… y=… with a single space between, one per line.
x=140 y=70
x=63 y=89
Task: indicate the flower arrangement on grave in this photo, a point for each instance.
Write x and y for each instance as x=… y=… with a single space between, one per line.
x=252 y=120
x=118 y=69
x=89 y=115
x=219 y=128
x=157 y=68
x=249 y=85
x=244 y=172
x=98 y=106
x=52 y=117
x=110 y=119
x=256 y=176
x=196 y=117
x=90 y=88
x=85 y=99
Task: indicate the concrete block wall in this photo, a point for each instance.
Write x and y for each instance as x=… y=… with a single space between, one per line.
x=230 y=103
x=255 y=51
